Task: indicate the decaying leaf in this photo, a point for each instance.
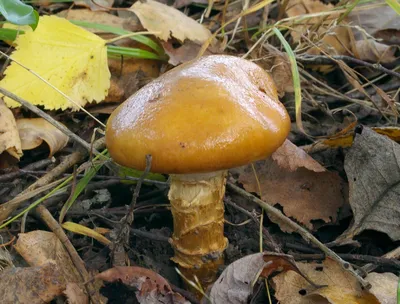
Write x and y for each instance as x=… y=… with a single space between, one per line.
x=168 y=22
x=9 y=138
x=98 y=5
x=33 y=131
x=341 y=287
x=38 y=247
x=31 y=285
x=373 y=170
x=234 y=285
x=79 y=69
x=292 y=179
x=75 y=294
x=152 y=288
x=384 y=286
x=335 y=40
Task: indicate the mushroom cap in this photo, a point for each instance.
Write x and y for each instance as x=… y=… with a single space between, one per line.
x=210 y=114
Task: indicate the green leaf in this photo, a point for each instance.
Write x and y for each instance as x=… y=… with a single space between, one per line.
x=128 y=172
x=9 y=34
x=131 y=52
x=79 y=188
x=19 y=13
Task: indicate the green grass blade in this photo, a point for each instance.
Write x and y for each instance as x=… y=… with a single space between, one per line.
x=295 y=75
x=395 y=5
x=118 y=31
x=132 y=52
x=78 y=190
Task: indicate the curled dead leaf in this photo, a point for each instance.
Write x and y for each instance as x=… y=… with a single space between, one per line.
x=168 y=22
x=152 y=288
x=33 y=131
x=294 y=180
x=234 y=285
x=373 y=171
x=31 y=285
x=9 y=138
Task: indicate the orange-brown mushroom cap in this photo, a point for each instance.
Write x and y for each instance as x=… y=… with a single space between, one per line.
x=213 y=113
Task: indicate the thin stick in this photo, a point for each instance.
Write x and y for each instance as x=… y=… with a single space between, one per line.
x=50 y=119
x=308 y=237
x=320 y=59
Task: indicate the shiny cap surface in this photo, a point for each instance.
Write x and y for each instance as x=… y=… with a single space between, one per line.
x=214 y=113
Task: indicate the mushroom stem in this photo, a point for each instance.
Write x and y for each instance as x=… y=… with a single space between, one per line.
x=198 y=211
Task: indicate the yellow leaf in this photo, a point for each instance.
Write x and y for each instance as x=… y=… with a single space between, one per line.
x=34 y=131
x=69 y=57
x=80 y=229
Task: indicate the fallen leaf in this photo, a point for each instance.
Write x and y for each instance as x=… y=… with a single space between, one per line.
x=335 y=40
x=75 y=295
x=384 y=286
x=370 y=50
x=31 y=285
x=69 y=57
x=9 y=138
x=234 y=286
x=39 y=247
x=80 y=229
x=169 y=22
x=373 y=171
x=152 y=288
x=342 y=287
x=33 y=131
x=292 y=179
x=98 y=5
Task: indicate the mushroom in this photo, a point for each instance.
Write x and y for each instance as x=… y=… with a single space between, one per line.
x=197 y=121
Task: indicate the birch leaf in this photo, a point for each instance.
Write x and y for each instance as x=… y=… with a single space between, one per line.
x=67 y=56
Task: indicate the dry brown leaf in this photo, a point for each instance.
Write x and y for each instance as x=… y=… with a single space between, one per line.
x=9 y=138
x=370 y=50
x=75 y=295
x=38 y=247
x=337 y=40
x=31 y=285
x=342 y=287
x=282 y=74
x=234 y=286
x=292 y=179
x=373 y=171
x=98 y=5
x=152 y=288
x=384 y=286
x=33 y=131
x=129 y=75
x=169 y=22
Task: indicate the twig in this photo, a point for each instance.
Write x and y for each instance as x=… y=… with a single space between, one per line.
x=150 y=235
x=31 y=167
x=46 y=216
x=68 y=162
x=394 y=254
x=50 y=119
x=377 y=261
x=125 y=223
x=97 y=177
x=297 y=228
x=321 y=59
